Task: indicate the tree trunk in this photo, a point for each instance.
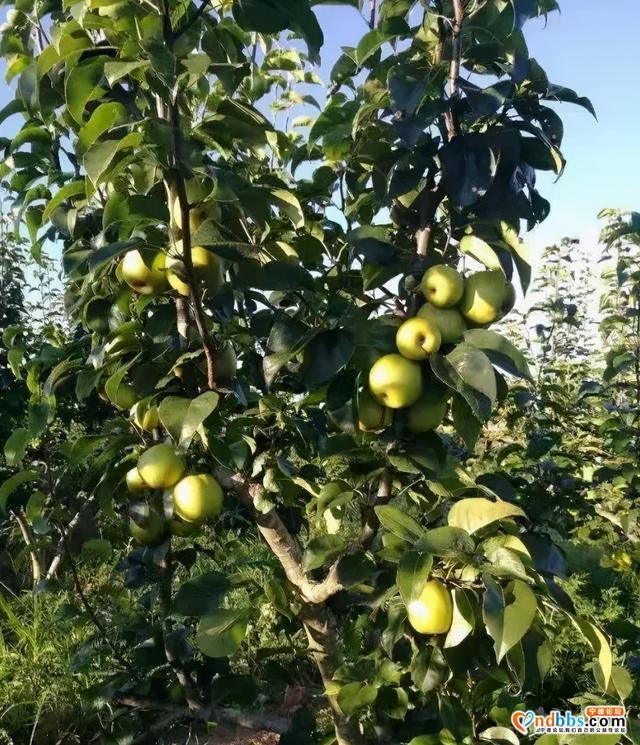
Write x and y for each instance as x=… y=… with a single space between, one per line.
x=321 y=634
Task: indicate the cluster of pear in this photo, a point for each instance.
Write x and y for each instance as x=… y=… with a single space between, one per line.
x=157 y=275
x=195 y=498
x=453 y=304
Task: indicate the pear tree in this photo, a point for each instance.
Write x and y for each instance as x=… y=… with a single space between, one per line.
x=270 y=434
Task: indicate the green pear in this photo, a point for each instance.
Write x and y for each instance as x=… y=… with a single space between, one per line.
x=197 y=497
x=125 y=396
x=160 y=466
x=372 y=416
x=395 y=381
x=418 y=338
x=509 y=302
x=135 y=483
x=145 y=280
x=426 y=414
x=145 y=416
x=485 y=294
x=148 y=527
x=449 y=321
x=442 y=286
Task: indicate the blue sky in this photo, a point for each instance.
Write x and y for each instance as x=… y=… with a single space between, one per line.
x=588 y=47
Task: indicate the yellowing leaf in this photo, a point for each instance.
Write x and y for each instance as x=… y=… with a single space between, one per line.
x=477 y=512
x=480 y=250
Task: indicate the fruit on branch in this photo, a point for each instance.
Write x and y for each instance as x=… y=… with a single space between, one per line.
x=442 y=286
x=395 y=381
x=372 y=416
x=148 y=527
x=135 y=482
x=160 y=466
x=432 y=611
x=197 y=498
x=426 y=414
x=145 y=280
x=146 y=417
x=449 y=321
x=509 y=302
x=486 y=297
x=197 y=215
x=418 y=338
x=125 y=396
x=207 y=269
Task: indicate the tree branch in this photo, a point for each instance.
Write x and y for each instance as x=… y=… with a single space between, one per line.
x=199 y=11
x=454 y=69
x=281 y=542
x=36 y=570
x=429 y=201
x=60 y=548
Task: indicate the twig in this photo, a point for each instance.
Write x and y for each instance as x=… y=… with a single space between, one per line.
x=36 y=569
x=372 y=17
x=429 y=201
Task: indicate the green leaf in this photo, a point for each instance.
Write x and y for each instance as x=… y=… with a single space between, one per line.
x=74 y=189
x=412 y=575
x=500 y=351
x=354 y=696
x=99 y=157
x=598 y=643
x=16 y=446
x=103 y=119
x=322 y=550
x=14 y=358
x=368 y=45
x=507 y=614
x=464 y=618
x=200 y=595
x=474 y=368
x=114 y=71
x=82 y=86
x=221 y=632
x=475 y=513
x=275 y=275
x=11 y=484
x=500 y=735
x=290 y=206
x=97 y=548
x=481 y=251
x=325 y=355
x=398 y=523
x=429 y=669
x=466 y=424
x=182 y=417
x=446 y=541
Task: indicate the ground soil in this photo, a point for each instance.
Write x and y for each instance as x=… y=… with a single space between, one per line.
x=240 y=736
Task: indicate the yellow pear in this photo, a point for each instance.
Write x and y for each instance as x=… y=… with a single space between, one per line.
x=418 y=338
x=426 y=414
x=145 y=280
x=135 y=483
x=149 y=528
x=146 y=417
x=372 y=416
x=509 y=302
x=395 y=381
x=432 y=612
x=197 y=497
x=207 y=269
x=197 y=215
x=485 y=294
x=160 y=466
x=442 y=286
x=449 y=321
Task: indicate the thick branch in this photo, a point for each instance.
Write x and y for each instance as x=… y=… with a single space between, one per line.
x=255 y=720
x=281 y=542
x=36 y=570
